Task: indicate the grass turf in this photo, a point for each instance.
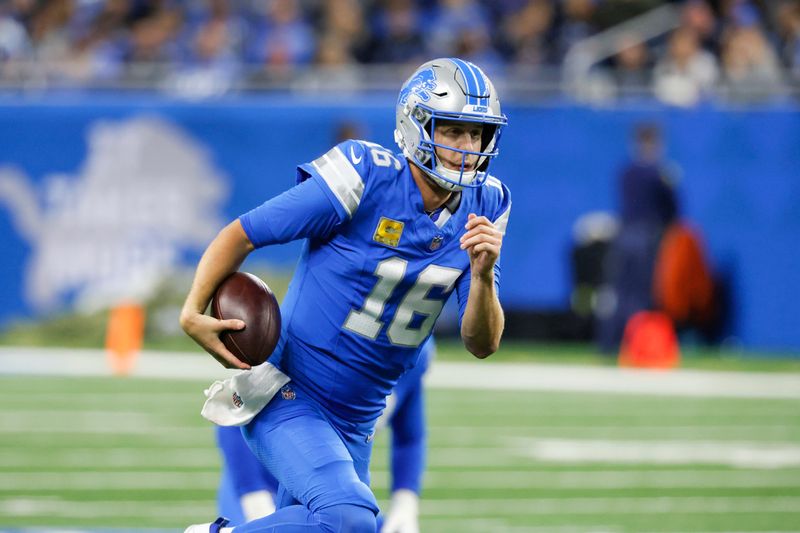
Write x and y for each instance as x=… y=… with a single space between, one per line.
x=99 y=453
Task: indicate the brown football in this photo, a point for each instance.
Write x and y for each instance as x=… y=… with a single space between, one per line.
x=245 y=297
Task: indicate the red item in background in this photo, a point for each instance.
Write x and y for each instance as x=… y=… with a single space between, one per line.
x=650 y=342
x=682 y=284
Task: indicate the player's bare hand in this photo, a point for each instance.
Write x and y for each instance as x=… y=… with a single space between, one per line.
x=205 y=331
x=482 y=241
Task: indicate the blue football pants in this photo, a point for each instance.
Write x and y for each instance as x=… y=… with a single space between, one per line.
x=322 y=470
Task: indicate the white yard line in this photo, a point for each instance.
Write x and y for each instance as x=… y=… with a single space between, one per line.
x=600 y=480
x=82 y=458
x=126 y=480
x=55 y=507
x=766 y=455
x=697 y=383
x=86 y=362
x=703 y=505
x=443 y=374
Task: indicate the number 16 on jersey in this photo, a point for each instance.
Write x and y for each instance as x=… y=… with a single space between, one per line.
x=390 y=272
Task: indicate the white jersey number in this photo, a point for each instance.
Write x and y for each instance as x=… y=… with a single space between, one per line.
x=390 y=271
x=381 y=156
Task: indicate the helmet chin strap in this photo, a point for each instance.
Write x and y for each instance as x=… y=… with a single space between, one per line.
x=460 y=179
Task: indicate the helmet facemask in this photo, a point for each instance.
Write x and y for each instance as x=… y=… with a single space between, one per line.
x=426 y=158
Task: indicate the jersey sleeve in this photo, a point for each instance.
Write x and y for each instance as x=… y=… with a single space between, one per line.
x=304 y=211
x=499 y=210
x=328 y=192
x=342 y=173
x=503 y=204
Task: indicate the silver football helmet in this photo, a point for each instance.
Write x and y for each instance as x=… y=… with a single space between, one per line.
x=448 y=89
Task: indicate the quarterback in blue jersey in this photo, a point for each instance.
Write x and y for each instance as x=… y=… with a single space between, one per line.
x=388 y=238
x=247 y=490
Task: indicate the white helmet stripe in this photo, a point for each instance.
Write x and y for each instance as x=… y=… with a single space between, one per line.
x=473 y=77
x=342 y=179
x=469 y=79
x=481 y=82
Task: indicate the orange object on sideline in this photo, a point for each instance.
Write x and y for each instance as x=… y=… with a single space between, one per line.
x=682 y=283
x=650 y=342
x=124 y=336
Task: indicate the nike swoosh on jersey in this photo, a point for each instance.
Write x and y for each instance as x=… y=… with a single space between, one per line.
x=356 y=160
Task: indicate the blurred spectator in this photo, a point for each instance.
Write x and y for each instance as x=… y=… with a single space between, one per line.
x=49 y=31
x=97 y=53
x=152 y=47
x=343 y=21
x=525 y=35
x=212 y=61
x=14 y=40
x=451 y=21
x=751 y=70
x=789 y=31
x=575 y=24
x=733 y=13
x=647 y=206
x=336 y=68
x=697 y=16
x=475 y=45
x=632 y=66
x=687 y=73
x=284 y=37
x=397 y=34
x=216 y=43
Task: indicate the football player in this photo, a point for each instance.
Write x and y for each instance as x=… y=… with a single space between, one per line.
x=247 y=491
x=388 y=238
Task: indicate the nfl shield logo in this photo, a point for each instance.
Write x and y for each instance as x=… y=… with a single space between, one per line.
x=288 y=393
x=436 y=243
x=237 y=400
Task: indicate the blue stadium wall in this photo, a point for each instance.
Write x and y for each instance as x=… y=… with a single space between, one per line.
x=740 y=185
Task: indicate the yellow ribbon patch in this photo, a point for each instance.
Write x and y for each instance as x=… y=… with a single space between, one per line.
x=388 y=232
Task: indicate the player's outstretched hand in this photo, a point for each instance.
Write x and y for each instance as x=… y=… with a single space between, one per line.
x=205 y=331
x=483 y=242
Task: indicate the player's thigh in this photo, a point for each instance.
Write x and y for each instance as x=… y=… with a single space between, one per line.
x=359 y=445
x=306 y=455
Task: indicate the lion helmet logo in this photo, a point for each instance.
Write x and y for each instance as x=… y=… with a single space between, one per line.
x=421 y=84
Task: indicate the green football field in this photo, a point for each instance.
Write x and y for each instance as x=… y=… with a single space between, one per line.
x=96 y=453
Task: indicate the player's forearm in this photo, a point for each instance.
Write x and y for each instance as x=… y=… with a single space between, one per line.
x=483 y=322
x=224 y=255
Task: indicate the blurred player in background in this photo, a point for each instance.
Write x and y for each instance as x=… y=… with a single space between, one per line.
x=247 y=490
x=388 y=239
x=648 y=204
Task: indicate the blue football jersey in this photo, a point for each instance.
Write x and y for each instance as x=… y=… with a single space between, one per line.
x=374 y=274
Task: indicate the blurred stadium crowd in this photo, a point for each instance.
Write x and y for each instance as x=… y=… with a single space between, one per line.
x=693 y=51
